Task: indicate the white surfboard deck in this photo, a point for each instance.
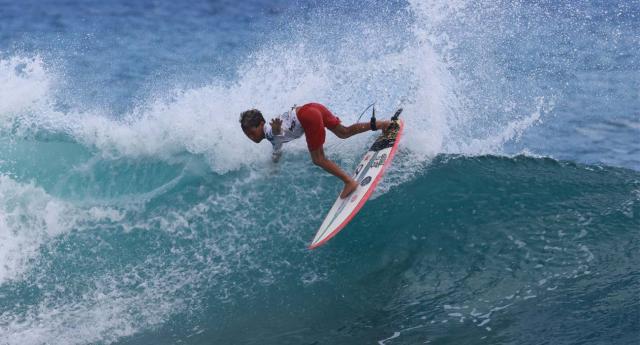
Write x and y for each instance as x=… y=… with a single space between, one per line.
x=368 y=174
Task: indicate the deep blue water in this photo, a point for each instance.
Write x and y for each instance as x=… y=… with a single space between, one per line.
x=134 y=211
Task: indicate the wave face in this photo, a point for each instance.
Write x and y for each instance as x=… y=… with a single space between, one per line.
x=134 y=211
x=481 y=247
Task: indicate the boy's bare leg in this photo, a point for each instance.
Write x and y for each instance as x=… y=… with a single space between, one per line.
x=318 y=158
x=343 y=132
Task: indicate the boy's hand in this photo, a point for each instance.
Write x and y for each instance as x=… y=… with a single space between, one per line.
x=276 y=126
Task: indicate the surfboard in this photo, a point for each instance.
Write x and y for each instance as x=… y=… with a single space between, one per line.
x=368 y=173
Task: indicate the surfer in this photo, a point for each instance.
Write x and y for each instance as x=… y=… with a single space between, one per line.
x=311 y=120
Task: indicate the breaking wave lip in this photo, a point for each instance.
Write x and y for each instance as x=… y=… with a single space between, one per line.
x=203 y=121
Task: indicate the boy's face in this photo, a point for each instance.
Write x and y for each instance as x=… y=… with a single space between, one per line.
x=256 y=134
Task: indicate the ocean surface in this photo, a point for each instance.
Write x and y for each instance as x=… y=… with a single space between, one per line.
x=133 y=210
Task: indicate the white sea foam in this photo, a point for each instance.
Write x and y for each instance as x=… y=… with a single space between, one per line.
x=24 y=84
x=29 y=217
x=104 y=313
x=418 y=75
x=115 y=303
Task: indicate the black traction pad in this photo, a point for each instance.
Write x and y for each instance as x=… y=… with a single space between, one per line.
x=387 y=138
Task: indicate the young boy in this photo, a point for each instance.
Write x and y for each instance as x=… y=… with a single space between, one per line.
x=311 y=120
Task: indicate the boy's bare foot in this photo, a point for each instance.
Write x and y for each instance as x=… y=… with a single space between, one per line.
x=349 y=188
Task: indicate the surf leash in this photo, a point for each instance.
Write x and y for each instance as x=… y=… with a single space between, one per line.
x=365 y=110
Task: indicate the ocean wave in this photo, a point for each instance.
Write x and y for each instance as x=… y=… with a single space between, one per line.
x=516 y=228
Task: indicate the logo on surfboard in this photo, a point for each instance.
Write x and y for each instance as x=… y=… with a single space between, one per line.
x=379 y=161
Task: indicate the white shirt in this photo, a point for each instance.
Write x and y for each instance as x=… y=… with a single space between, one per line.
x=291 y=129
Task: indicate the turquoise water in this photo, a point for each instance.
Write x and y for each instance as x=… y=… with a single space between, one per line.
x=134 y=211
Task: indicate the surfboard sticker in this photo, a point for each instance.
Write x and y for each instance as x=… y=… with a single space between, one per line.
x=368 y=173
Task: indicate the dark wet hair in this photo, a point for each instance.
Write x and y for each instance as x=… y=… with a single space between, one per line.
x=251 y=118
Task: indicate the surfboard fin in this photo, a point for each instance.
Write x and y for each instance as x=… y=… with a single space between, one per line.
x=396 y=115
